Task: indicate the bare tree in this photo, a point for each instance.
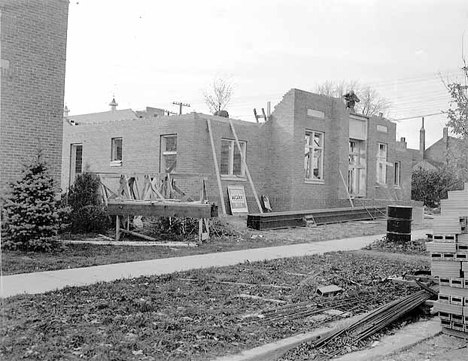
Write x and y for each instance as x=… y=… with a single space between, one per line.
x=371 y=102
x=219 y=95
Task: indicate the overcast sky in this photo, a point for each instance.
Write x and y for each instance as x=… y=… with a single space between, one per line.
x=154 y=52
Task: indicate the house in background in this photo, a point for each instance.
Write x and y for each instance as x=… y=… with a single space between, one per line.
x=446 y=151
x=309 y=153
x=32 y=80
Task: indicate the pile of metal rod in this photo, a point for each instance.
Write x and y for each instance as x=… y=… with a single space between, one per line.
x=376 y=320
x=306 y=309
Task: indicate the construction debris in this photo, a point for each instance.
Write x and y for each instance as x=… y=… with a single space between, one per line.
x=329 y=290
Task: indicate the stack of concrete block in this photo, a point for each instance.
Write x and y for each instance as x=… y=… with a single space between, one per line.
x=448 y=247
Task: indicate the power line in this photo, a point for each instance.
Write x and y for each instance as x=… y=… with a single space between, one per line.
x=418 y=116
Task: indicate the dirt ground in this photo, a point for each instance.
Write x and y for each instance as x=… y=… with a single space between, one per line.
x=337 y=230
x=439 y=348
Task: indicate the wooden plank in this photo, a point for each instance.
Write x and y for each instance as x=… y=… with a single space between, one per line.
x=215 y=159
x=154 y=189
x=346 y=189
x=245 y=166
x=136 y=234
x=185 y=197
x=173 y=174
x=117 y=228
x=162 y=209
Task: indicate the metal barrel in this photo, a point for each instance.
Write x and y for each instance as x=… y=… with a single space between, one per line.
x=399 y=220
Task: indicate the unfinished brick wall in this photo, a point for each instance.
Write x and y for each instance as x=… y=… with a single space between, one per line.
x=396 y=152
x=280 y=149
x=275 y=151
x=334 y=125
x=33 y=52
x=141 y=139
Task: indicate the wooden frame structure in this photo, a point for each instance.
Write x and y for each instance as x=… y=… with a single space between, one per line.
x=138 y=195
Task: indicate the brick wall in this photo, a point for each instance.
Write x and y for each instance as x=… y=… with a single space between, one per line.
x=33 y=51
x=279 y=132
x=141 y=140
x=334 y=125
x=275 y=151
x=396 y=152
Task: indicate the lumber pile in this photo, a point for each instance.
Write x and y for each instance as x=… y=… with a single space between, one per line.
x=448 y=248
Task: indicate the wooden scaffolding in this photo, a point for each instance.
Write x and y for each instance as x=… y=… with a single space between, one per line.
x=130 y=197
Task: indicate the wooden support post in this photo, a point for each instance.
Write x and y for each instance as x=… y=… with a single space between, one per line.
x=207 y=226
x=245 y=167
x=218 y=177
x=200 y=229
x=117 y=228
x=346 y=189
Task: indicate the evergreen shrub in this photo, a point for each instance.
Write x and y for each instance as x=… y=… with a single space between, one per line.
x=88 y=213
x=31 y=212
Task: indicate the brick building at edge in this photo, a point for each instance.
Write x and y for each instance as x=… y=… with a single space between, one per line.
x=33 y=36
x=310 y=152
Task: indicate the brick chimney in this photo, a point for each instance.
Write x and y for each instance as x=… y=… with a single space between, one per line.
x=422 y=140
x=445 y=137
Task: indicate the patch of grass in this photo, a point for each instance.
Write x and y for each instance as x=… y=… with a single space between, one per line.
x=194 y=315
x=224 y=238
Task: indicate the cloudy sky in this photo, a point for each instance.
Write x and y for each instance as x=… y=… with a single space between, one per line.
x=154 y=52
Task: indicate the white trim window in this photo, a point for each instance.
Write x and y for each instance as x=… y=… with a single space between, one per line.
x=168 y=153
x=231 y=160
x=397 y=174
x=381 y=163
x=313 y=157
x=116 y=152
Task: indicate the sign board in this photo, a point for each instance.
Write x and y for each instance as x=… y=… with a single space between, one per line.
x=237 y=199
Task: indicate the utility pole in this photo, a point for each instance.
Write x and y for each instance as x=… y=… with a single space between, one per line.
x=180 y=106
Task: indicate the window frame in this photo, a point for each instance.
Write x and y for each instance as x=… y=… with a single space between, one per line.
x=397 y=180
x=115 y=161
x=164 y=153
x=381 y=177
x=73 y=161
x=312 y=147
x=230 y=165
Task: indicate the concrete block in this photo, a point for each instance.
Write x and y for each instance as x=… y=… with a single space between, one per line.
x=418 y=215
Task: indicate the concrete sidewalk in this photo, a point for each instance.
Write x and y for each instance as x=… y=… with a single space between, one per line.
x=40 y=282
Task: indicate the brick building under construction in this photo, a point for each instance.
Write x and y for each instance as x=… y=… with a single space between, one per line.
x=310 y=153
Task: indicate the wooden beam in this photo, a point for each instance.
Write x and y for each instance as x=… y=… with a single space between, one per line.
x=117 y=228
x=245 y=167
x=218 y=177
x=162 y=209
x=346 y=189
x=148 y=238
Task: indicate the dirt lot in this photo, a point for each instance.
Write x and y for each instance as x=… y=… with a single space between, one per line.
x=439 y=348
x=200 y=314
